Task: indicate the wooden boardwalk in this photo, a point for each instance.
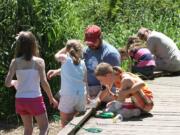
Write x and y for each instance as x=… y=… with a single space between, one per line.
x=165 y=118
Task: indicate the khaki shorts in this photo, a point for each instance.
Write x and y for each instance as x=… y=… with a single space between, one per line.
x=71 y=104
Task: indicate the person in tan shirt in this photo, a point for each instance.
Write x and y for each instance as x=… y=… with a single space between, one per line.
x=167 y=54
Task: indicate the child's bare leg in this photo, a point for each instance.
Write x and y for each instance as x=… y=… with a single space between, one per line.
x=28 y=124
x=105 y=96
x=42 y=121
x=66 y=118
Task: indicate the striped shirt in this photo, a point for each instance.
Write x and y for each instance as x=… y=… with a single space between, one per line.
x=143 y=57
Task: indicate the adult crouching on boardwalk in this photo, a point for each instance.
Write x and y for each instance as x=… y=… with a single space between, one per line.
x=167 y=54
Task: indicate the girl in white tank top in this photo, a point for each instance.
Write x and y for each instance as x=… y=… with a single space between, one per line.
x=30 y=72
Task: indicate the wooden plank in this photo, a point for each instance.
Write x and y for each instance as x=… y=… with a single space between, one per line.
x=73 y=126
x=137 y=127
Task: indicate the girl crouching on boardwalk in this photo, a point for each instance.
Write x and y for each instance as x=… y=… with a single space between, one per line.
x=128 y=86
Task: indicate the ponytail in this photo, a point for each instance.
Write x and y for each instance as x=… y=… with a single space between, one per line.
x=74 y=56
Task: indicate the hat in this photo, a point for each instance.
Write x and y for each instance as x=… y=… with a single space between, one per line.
x=92 y=33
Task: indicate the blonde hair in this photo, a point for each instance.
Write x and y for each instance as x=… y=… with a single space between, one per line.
x=26 y=45
x=103 y=69
x=75 y=49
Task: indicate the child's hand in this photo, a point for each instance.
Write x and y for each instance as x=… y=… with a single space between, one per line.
x=93 y=103
x=51 y=74
x=14 y=83
x=54 y=103
x=109 y=104
x=88 y=99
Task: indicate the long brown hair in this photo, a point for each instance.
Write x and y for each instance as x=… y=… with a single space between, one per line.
x=132 y=40
x=75 y=49
x=26 y=45
x=103 y=69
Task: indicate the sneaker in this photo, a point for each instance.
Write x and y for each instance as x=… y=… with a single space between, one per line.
x=118 y=118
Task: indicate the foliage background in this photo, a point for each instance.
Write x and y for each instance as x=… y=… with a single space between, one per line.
x=55 y=21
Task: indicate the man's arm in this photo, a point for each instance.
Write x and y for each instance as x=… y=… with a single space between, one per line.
x=151 y=44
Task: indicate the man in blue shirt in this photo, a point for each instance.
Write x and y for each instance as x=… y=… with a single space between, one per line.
x=97 y=51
